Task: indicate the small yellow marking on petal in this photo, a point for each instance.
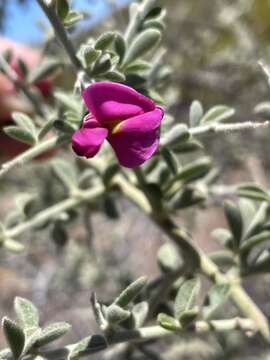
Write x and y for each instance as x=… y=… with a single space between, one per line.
x=114 y=126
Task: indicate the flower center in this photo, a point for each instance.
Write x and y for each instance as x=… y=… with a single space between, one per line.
x=113 y=126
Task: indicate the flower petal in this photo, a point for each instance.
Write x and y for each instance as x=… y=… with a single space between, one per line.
x=137 y=138
x=86 y=142
x=110 y=101
x=89 y=121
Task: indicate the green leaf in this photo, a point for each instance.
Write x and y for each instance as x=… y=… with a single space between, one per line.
x=247 y=210
x=104 y=40
x=116 y=314
x=142 y=44
x=68 y=100
x=65 y=172
x=254 y=241
x=188 y=146
x=26 y=312
x=45 y=69
x=177 y=135
x=22 y=67
x=62 y=9
x=102 y=65
x=186 y=296
x=140 y=312
x=194 y=170
x=14 y=336
x=188 y=316
x=72 y=18
x=137 y=66
x=154 y=24
x=170 y=160
x=110 y=207
x=169 y=258
x=13 y=246
x=217 y=296
x=120 y=46
x=5 y=354
x=59 y=234
x=252 y=191
x=87 y=54
x=115 y=76
x=258 y=220
x=20 y=134
x=131 y=292
x=110 y=172
x=24 y=122
x=31 y=337
x=217 y=114
x=45 y=129
x=189 y=196
x=87 y=346
x=52 y=333
x=234 y=219
x=195 y=113
x=223 y=236
x=168 y=322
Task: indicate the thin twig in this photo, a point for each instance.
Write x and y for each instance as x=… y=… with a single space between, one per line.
x=18 y=83
x=217 y=128
x=60 y=33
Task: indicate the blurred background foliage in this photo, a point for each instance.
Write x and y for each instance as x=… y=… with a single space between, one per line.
x=213 y=48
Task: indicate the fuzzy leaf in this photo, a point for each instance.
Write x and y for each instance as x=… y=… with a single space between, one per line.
x=254 y=241
x=120 y=46
x=195 y=113
x=20 y=134
x=142 y=44
x=24 y=122
x=168 y=322
x=65 y=172
x=234 y=219
x=26 y=312
x=52 y=333
x=105 y=40
x=217 y=114
x=45 y=69
x=116 y=314
x=62 y=8
x=177 y=135
x=170 y=160
x=72 y=18
x=168 y=257
x=14 y=336
x=252 y=191
x=217 y=296
x=131 y=292
x=186 y=296
x=87 y=346
x=193 y=171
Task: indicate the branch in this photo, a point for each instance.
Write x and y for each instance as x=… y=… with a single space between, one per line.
x=184 y=241
x=156 y=332
x=80 y=197
x=60 y=33
x=217 y=128
x=31 y=153
x=19 y=84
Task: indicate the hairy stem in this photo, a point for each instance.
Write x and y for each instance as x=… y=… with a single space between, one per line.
x=19 y=84
x=183 y=240
x=50 y=213
x=31 y=153
x=217 y=128
x=156 y=332
x=60 y=33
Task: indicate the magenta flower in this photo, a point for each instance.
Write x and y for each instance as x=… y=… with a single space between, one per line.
x=128 y=120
